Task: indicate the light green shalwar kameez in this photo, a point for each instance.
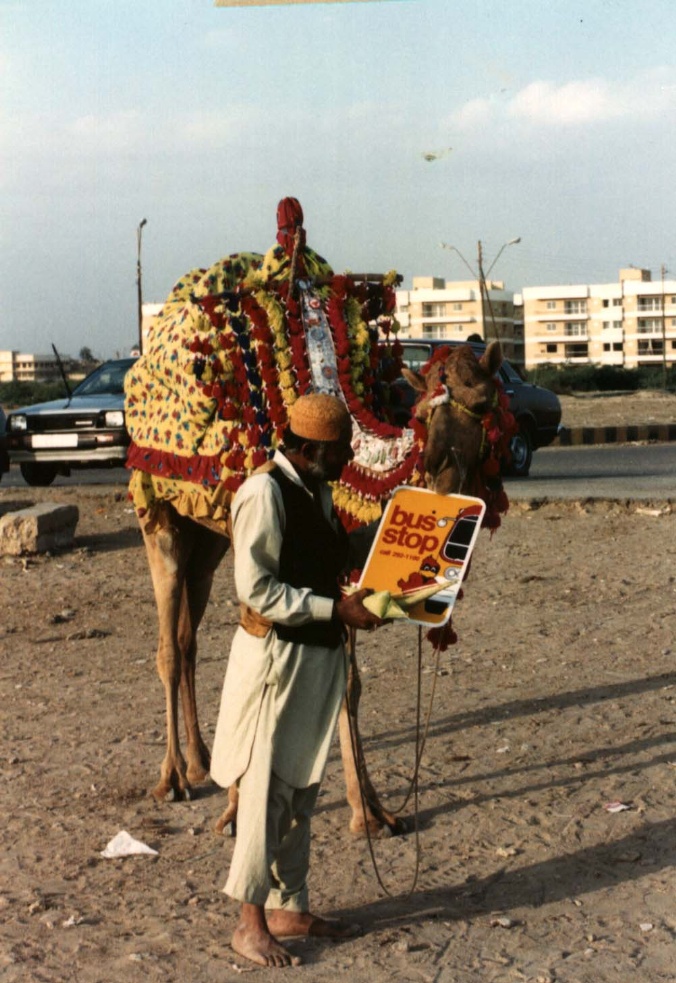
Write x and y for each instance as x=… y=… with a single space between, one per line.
x=279 y=708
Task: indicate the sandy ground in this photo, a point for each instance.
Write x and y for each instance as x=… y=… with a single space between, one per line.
x=559 y=699
x=600 y=409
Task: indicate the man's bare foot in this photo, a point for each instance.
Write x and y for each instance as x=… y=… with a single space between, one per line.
x=261 y=948
x=290 y=924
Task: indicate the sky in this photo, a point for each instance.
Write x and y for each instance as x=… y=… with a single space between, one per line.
x=398 y=124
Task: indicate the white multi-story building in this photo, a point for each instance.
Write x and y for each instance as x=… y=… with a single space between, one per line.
x=630 y=323
x=26 y=367
x=455 y=310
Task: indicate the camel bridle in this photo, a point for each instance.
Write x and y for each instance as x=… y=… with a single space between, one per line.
x=442 y=396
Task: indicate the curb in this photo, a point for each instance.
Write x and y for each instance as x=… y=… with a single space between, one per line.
x=579 y=436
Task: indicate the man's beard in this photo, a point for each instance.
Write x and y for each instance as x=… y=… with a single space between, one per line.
x=319 y=470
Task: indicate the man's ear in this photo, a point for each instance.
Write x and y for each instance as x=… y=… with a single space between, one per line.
x=309 y=451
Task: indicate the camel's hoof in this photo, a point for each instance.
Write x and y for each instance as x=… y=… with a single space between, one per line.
x=226 y=829
x=399 y=827
x=168 y=792
x=374 y=830
x=197 y=775
x=379 y=829
x=229 y=818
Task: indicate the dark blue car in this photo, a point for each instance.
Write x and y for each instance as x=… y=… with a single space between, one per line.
x=537 y=410
x=86 y=429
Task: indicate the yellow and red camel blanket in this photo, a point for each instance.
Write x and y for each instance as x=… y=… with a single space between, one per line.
x=230 y=352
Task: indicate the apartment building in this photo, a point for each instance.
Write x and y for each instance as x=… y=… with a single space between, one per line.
x=455 y=309
x=629 y=323
x=25 y=367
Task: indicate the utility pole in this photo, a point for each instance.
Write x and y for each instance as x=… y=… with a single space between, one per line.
x=485 y=296
x=663 y=270
x=480 y=276
x=139 y=293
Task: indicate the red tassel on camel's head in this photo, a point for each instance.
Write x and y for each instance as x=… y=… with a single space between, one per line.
x=442 y=636
x=289 y=220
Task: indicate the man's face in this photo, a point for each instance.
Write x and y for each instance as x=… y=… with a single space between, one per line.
x=331 y=458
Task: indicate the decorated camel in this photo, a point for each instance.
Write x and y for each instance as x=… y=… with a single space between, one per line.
x=207 y=403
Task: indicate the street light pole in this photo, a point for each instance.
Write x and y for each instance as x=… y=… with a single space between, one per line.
x=454 y=249
x=510 y=242
x=481 y=277
x=139 y=292
x=663 y=270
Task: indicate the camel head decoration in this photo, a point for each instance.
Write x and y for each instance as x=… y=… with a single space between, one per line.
x=229 y=353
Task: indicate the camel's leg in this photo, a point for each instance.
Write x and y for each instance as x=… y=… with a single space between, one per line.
x=367 y=812
x=167 y=560
x=229 y=817
x=208 y=549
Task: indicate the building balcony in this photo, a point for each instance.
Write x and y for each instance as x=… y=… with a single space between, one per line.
x=442 y=320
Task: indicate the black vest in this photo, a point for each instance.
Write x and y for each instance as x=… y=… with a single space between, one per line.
x=313 y=555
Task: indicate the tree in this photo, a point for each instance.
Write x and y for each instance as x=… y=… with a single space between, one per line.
x=86 y=355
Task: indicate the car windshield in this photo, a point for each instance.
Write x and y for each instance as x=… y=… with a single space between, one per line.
x=415 y=356
x=509 y=373
x=107 y=379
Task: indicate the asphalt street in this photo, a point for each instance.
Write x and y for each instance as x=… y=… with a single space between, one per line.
x=627 y=471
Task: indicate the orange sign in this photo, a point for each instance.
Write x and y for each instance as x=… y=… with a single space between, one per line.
x=424 y=538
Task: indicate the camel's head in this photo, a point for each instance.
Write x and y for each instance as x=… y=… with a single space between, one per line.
x=458 y=396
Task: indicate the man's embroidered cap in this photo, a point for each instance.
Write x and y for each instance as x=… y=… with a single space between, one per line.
x=319 y=416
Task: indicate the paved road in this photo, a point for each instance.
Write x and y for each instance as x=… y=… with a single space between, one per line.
x=620 y=471
x=624 y=471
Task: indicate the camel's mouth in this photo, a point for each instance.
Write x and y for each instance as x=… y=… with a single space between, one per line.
x=449 y=480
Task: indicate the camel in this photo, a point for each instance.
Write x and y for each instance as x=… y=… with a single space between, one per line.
x=206 y=404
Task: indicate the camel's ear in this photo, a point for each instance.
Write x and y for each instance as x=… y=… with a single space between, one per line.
x=414 y=379
x=491 y=360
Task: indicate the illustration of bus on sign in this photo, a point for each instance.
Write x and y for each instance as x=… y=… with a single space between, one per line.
x=424 y=539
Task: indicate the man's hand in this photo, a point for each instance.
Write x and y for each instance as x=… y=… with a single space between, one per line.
x=351 y=611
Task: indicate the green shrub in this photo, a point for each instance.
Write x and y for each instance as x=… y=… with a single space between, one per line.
x=13 y=394
x=601 y=378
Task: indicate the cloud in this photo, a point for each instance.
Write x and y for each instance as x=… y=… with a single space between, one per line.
x=589 y=101
x=579 y=102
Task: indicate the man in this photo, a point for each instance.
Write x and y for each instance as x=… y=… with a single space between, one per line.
x=286 y=675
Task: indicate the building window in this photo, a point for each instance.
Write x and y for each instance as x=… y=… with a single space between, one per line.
x=650 y=346
x=575 y=307
x=434 y=331
x=650 y=303
x=552 y=326
x=615 y=346
x=580 y=350
x=606 y=303
x=457 y=307
x=552 y=349
x=551 y=305
x=617 y=301
x=433 y=310
x=575 y=329
x=649 y=325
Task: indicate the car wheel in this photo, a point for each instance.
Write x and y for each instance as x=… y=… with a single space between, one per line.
x=521 y=447
x=38 y=475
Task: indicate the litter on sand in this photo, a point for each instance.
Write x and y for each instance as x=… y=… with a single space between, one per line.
x=124 y=845
x=616 y=807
